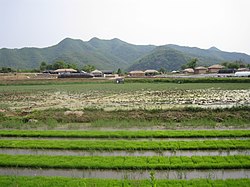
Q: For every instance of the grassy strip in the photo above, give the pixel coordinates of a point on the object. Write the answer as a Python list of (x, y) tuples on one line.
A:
[(236, 117), (126, 144), (127, 134), (31, 82), (127, 80), (189, 80), (126, 162), (75, 182)]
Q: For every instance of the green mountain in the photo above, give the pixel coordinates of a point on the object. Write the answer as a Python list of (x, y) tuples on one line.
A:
[(114, 54), (161, 57), (172, 57), (103, 54)]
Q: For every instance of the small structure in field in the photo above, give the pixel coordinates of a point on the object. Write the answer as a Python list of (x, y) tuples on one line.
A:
[(119, 80), (151, 72), (188, 71), (97, 73), (136, 73), (215, 68), (63, 71), (200, 70), (175, 71)]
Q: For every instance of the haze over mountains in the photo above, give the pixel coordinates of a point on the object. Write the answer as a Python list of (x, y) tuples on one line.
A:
[(114, 54)]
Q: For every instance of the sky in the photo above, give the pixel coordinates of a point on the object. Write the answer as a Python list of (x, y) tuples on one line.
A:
[(224, 24)]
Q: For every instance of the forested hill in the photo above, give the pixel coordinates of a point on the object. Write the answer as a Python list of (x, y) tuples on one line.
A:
[(103, 54), (114, 54), (172, 57)]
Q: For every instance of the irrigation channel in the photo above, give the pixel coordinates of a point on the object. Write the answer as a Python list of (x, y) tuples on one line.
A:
[(129, 174), (56, 152), (136, 146), (136, 139)]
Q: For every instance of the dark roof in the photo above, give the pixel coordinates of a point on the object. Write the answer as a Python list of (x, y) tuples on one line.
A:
[(107, 71)]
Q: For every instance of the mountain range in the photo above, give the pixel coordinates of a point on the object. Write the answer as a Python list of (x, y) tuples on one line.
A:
[(114, 54)]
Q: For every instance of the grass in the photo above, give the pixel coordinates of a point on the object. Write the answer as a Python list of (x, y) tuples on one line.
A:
[(126, 162), (237, 117), (127, 133), (116, 123), (22, 181), (189, 80), (111, 87), (127, 80), (126, 144)]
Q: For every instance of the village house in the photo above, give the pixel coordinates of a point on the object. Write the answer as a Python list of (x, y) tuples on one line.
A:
[(97, 73), (215, 68), (151, 72), (136, 73), (63, 71), (242, 69), (188, 71), (200, 70)]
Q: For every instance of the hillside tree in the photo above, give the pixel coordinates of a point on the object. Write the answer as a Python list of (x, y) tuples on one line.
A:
[(43, 66), (191, 64), (119, 71), (60, 65), (88, 68)]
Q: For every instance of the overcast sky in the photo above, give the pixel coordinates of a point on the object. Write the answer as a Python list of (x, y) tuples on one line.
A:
[(200, 23)]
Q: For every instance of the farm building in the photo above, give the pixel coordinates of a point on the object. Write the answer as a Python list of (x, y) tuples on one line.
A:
[(151, 72), (215, 68), (62, 71), (188, 71), (136, 73), (107, 73), (97, 73), (75, 75), (200, 70), (226, 71)]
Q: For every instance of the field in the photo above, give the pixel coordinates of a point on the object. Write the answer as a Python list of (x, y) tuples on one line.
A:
[(153, 132)]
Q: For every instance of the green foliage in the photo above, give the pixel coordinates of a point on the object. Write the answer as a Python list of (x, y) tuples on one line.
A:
[(104, 54), (113, 54), (126, 144), (161, 57), (174, 57), (119, 71), (43, 66), (235, 65), (57, 65), (191, 64), (6, 70), (127, 134), (162, 70), (88, 68), (126, 162), (152, 179)]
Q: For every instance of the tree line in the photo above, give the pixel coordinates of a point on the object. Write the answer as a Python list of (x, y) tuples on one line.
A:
[(62, 65), (228, 65), (88, 68)]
